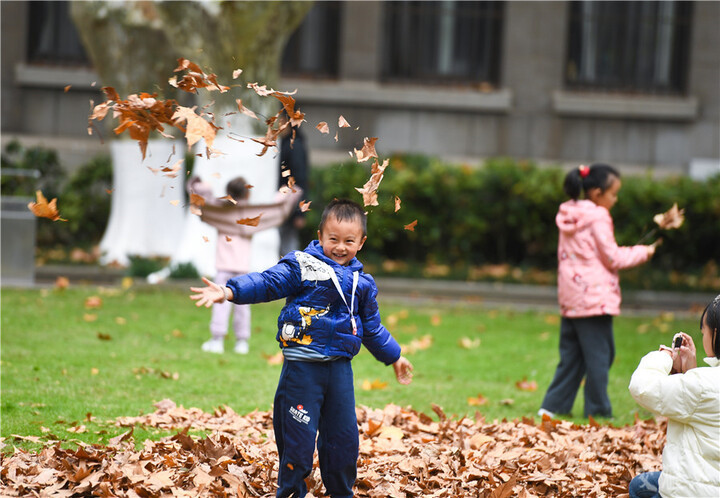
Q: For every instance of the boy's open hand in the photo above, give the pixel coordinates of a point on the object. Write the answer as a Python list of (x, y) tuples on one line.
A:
[(403, 370), (206, 296)]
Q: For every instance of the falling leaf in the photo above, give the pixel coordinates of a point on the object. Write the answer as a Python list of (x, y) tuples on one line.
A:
[(671, 219), (336, 136), (175, 202), (195, 126), (369, 190), (525, 385), (397, 203), (245, 110), (304, 206), (411, 226), (93, 302), (126, 283), (367, 151), (67, 88), (323, 127), (228, 239), (477, 401), (228, 198), (342, 122), (197, 200), (205, 238), (252, 222), (44, 209), (236, 73), (195, 78)]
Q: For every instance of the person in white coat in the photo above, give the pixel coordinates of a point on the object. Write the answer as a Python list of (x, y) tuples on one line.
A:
[(668, 383)]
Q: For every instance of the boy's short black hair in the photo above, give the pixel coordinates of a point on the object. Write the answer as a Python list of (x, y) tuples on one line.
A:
[(344, 209), (237, 188)]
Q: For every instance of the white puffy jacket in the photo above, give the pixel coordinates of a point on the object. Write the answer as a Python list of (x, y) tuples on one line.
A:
[(691, 402)]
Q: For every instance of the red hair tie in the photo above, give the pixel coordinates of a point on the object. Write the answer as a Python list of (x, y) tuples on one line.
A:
[(584, 170)]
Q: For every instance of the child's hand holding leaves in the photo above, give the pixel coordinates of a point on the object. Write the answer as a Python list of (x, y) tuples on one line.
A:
[(206, 296)]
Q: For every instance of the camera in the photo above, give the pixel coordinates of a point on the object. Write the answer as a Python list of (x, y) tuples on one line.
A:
[(677, 341)]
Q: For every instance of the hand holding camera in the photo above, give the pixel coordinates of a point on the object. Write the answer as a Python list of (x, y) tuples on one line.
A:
[(682, 353)]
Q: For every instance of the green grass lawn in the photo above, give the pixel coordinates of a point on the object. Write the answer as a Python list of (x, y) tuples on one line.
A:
[(65, 364)]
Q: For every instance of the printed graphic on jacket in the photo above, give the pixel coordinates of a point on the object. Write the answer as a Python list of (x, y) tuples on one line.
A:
[(312, 269)]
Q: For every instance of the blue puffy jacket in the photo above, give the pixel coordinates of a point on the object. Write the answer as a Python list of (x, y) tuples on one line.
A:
[(315, 316)]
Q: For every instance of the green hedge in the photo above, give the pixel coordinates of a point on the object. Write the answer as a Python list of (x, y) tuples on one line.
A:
[(504, 212)]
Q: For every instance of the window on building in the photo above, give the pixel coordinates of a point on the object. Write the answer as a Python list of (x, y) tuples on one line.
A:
[(312, 50), (52, 36), (442, 41), (638, 46)]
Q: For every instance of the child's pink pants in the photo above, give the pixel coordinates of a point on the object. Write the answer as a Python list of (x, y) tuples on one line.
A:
[(221, 314)]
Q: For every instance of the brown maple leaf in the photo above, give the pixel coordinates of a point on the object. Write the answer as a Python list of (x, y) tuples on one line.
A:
[(323, 127), (671, 219), (304, 206), (251, 222), (245, 110), (367, 151), (397, 203), (369, 190), (342, 123), (195, 78), (196, 127), (411, 226), (44, 209), (197, 200), (295, 116)]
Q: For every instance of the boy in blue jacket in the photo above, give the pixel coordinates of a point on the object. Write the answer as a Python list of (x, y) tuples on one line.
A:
[(330, 310)]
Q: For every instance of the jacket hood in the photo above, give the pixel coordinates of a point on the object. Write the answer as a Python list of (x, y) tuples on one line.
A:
[(316, 250), (576, 215)]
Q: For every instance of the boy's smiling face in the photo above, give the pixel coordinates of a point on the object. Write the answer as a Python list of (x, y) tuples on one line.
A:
[(341, 240)]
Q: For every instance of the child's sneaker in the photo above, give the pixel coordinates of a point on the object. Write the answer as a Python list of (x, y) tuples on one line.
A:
[(242, 347), (213, 346), (543, 411)]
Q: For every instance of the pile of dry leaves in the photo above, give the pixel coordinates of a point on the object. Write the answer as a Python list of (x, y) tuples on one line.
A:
[(402, 454)]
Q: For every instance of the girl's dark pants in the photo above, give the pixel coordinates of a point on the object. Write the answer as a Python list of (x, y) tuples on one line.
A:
[(587, 349), (312, 398)]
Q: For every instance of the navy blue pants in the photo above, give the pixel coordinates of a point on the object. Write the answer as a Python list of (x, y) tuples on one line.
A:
[(645, 485), (587, 349), (316, 398)]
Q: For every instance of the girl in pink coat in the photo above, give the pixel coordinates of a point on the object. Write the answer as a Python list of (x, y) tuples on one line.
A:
[(588, 289)]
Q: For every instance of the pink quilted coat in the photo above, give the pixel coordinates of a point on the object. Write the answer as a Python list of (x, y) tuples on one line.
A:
[(589, 260)]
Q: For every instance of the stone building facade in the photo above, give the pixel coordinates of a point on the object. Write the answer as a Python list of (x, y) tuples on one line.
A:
[(630, 83)]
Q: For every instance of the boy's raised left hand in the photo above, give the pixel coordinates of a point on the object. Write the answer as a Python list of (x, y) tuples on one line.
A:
[(206, 296), (403, 370)]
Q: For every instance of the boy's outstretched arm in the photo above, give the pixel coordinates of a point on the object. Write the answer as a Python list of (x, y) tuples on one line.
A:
[(403, 370), (213, 293)]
